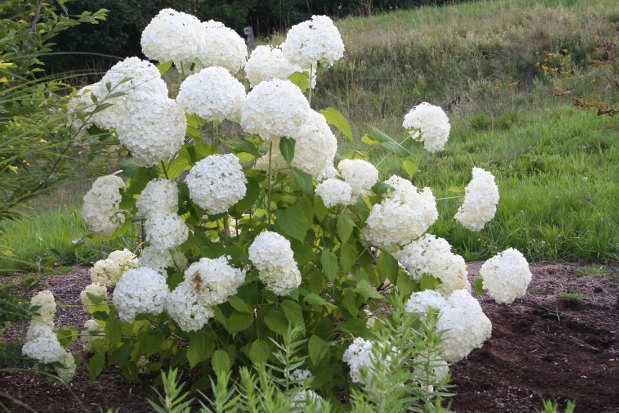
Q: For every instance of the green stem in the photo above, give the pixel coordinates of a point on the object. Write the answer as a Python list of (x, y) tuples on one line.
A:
[(269, 172), (165, 170)]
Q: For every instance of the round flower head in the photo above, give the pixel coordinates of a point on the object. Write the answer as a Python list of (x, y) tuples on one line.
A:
[(92, 331), (165, 230), (108, 271), (100, 210), (429, 124), (47, 307), (306, 400), (465, 324), (273, 109), (140, 291), (36, 328), (153, 131), (173, 36), (402, 216), (506, 276), (67, 371), (159, 195), (315, 146), (213, 94), (186, 309), (313, 41), (222, 47), (44, 348), (273, 257), (267, 63), (359, 356), (334, 192), (93, 290), (216, 183), (480, 201), (213, 280), (359, 174), (419, 302), (431, 255)]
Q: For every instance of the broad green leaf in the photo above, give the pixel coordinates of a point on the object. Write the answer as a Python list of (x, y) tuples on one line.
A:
[(276, 321), (320, 210), (428, 282), (221, 362), (349, 301), (348, 256), (317, 349), (329, 264), (388, 143), (315, 299), (405, 284), (251, 195), (152, 342), (293, 221), (200, 348), (238, 322), (303, 252), (259, 351), (369, 141), (381, 187), (409, 167), (334, 117), (164, 67), (345, 226), (366, 290), (96, 365), (294, 313), (301, 79), (304, 180), (239, 304), (387, 267), (113, 331), (286, 147)]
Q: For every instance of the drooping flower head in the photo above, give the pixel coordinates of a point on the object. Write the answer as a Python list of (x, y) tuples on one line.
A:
[(480, 201), (506, 276), (100, 211), (429, 124), (313, 41)]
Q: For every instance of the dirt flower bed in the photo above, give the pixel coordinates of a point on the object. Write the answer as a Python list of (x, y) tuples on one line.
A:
[(561, 342)]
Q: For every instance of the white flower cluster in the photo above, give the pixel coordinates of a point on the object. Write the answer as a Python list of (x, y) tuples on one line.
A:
[(431, 255), (272, 255), (186, 309), (360, 357), (313, 41), (465, 324), (304, 399), (420, 301), (141, 290), (429, 124), (506, 276), (160, 259), (217, 182), (213, 280), (480, 201), (108, 271), (359, 174), (268, 63), (402, 216), (273, 109), (165, 230), (92, 331), (222, 47), (213, 94), (159, 196), (315, 145), (100, 210), (82, 101), (92, 290), (42, 343), (334, 192)]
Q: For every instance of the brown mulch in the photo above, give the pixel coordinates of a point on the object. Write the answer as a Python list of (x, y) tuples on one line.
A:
[(546, 345)]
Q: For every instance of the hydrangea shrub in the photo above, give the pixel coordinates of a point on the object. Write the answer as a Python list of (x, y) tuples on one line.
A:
[(247, 237)]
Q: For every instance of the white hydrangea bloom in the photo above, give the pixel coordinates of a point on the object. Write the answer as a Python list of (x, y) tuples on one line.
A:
[(304, 399), (173, 36), (213, 280), (327, 173), (92, 331), (222, 47), (213, 94), (217, 182), (36, 328), (142, 290), (100, 211), (274, 108), (153, 131), (313, 41), (465, 324), (480, 201), (315, 146), (108, 271), (419, 302), (267, 63), (185, 308), (95, 290), (506, 276), (156, 258), (402, 216), (432, 255), (272, 255), (429, 124), (359, 356), (165, 230), (45, 347), (67, 371), (47, 307), (159, 195), (300, 375), (360, 175), (334, 192)]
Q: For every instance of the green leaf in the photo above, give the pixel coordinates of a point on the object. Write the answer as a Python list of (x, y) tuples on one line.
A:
[(200, 348), (303, 252), (381, 187), (428, 282), (259, 351), (304, 180), (369, 141), (239, 304), (238, 322), (334, 117), (348, 256), (409, 167), (301, 79), (96, 365), (387, 267), (315, 299), (164, 67), (388, 143), (328, 260), (152, 342), (478, 284), (276, 321), (286, 147), (349, 301), (317, 349), (294, 313), (405, 284), (367, 291), (113, 331), (221, 362), (251, 195), (100, 315), (345, 226), (293, 221)]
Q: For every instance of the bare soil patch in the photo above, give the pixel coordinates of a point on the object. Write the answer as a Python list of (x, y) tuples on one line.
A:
[(560, 342)]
